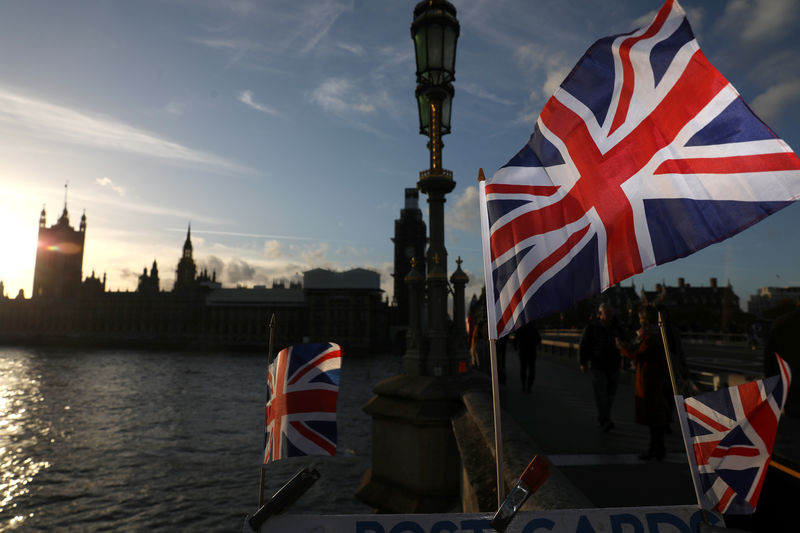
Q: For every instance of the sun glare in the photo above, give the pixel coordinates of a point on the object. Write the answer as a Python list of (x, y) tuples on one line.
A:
[(18, 250)]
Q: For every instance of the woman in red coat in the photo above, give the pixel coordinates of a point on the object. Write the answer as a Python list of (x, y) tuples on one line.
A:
[(651, 376)]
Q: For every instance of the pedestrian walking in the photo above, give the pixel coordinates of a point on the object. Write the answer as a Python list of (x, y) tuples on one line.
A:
[(651, 374), (526, 341), (598, 352)]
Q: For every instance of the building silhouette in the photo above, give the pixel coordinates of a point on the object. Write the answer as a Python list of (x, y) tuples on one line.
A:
[(410, 238), (149, 283), (59, 257), (198, 313), (711, 308), (773, 301), (187, 270), (703, 308)]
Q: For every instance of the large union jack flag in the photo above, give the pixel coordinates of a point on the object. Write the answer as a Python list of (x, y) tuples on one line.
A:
[(645, 154), (302, 387), (732, 432)]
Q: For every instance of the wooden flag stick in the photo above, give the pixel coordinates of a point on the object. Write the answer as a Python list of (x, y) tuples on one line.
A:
[(681, 410), (262, 477), (663, 328), (498, 436), (498, 433)]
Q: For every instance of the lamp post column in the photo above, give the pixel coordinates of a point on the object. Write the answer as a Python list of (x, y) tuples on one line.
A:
[(436, 182), (414, 411)]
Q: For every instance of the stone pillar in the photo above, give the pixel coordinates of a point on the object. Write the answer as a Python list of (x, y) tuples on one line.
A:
[(415, 461), (413, 359), (459, 279)]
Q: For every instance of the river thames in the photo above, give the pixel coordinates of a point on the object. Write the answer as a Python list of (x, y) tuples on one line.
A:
[(128, 440)]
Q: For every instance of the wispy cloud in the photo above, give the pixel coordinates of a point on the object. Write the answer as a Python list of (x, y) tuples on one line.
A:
[(246, 97), (337, 95), (536, 59), (355, 49), (242, 234), (755, 20), (272, 249), (464, 214), (59, 123), (316, 256), (237, 47), (317, 20), (770, 105), (224, 44), (646, 19), (475, 90), (553, 80), (148, 208), (106, 182), (285, 27)]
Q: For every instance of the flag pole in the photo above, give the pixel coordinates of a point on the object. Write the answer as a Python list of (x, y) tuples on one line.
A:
[(679, 407), (498, 437), (262, 477)]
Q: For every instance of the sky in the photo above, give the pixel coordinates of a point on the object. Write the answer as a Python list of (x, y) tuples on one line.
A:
[(285, 132)]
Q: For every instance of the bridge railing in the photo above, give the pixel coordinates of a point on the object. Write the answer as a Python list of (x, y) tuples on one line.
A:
[(564, 344)]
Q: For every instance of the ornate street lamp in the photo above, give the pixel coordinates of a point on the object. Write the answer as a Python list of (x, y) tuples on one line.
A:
[(435, 31), (414, 411)]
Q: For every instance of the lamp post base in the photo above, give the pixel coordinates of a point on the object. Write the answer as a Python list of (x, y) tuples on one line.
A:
[(415, 461)]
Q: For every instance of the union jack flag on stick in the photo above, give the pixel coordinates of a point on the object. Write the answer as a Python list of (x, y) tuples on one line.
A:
[(645, 154), (729, 435), (302, 388)]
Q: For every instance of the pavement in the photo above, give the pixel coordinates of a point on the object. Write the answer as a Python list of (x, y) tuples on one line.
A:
[(560, 415)]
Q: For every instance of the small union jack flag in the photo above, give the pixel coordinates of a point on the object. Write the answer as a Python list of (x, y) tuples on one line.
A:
[(645, 154), (732, 432), (302, 387)]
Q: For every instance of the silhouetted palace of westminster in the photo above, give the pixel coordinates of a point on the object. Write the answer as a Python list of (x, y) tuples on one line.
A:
[(198, 313), (347, 307)]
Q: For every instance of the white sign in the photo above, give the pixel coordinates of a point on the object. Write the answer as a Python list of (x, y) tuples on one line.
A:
[(668, 519)]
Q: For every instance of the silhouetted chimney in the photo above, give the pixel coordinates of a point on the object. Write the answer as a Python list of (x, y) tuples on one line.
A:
[(713, 282), (681, 283)]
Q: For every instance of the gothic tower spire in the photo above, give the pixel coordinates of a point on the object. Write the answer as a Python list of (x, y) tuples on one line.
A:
[(64, 219), (187, 270), (187, 246)]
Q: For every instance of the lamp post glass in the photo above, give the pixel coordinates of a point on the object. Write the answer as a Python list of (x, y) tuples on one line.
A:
[(425, 99), (435, 30)]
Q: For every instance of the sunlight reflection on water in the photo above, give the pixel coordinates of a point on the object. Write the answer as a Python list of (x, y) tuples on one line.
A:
[(19, 431)]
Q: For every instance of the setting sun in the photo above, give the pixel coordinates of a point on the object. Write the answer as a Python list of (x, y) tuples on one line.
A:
[(18, 216)]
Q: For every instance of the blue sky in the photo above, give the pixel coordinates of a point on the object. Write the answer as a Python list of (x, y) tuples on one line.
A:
[(286, 131)]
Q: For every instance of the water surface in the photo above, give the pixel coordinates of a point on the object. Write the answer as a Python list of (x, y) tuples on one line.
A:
[(111, 440)]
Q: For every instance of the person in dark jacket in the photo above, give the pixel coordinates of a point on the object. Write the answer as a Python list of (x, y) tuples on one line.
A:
[(526, 340), (651, 375), (598, 352)]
